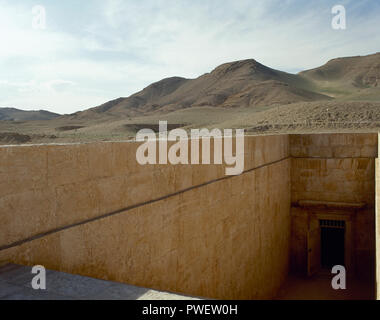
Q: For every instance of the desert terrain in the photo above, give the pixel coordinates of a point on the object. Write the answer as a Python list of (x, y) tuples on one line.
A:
[(342, 95)]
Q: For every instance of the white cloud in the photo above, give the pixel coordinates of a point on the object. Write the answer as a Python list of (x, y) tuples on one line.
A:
[(59, 84)]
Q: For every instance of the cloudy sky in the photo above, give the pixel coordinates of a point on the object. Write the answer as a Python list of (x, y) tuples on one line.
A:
[(92, 51)]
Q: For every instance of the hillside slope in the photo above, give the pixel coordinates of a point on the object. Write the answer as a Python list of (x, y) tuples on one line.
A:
[(343, 94), (14, 114), (351, 78), (245, 83)]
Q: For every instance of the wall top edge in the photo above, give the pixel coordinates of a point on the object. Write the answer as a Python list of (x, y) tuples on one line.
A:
[(115, 141), (333, 133), (247, 135)]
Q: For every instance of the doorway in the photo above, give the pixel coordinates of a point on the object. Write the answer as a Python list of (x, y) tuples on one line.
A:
[(328, 241), (332, 243)]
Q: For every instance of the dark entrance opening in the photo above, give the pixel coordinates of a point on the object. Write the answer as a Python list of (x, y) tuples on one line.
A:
[(332, 243)]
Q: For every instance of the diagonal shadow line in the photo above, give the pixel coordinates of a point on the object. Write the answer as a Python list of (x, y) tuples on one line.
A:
[(55, 230)]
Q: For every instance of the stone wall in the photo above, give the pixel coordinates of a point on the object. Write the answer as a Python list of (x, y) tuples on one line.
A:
[(94, 211), (91, 209), (333, 167), (377, 227), (338, 169)]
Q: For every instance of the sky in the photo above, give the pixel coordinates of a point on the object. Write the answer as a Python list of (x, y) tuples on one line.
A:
[(93, 51)]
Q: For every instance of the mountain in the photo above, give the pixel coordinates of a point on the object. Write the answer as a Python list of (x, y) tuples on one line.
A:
[(343, 94), (351, 78), (22, 115), (245, 83)]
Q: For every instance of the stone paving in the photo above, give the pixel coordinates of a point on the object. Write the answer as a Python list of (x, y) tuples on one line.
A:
[(15, 284)]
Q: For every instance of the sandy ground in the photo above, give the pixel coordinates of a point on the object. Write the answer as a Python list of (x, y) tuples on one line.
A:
[(319, 288), (311, 117)]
